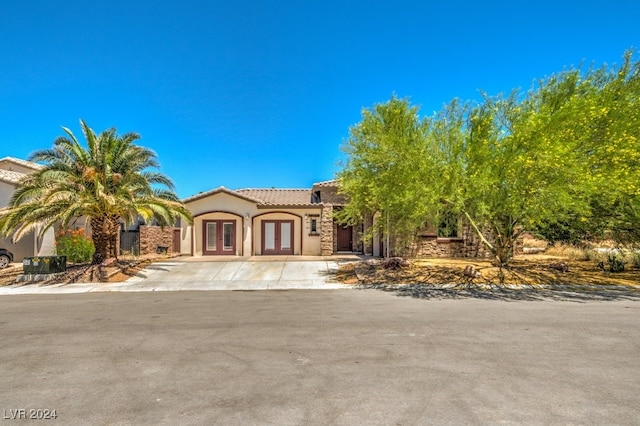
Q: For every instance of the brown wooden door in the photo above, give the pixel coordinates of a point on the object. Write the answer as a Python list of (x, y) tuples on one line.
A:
[(345, 238), (176, 241), (219, 237), (277, 237)]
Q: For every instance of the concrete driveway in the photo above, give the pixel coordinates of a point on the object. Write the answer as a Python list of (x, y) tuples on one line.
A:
[(245, 274), (198, 273)]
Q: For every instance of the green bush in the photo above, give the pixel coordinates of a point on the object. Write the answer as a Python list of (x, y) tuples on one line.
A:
[(75, 245)]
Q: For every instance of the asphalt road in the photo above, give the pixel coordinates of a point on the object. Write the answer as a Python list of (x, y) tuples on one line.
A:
[(316, 357)]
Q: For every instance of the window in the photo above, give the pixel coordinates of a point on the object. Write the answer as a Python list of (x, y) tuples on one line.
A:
[(227, 236), (212, 236), (313, 224), (269, 235), (448, 225), (285, 235)]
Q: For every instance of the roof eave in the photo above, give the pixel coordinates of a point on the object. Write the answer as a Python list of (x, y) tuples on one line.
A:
[(217, 191), (290, 206)]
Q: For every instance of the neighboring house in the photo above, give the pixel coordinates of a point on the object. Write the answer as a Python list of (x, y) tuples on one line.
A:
[(148, 239), (12, 170)]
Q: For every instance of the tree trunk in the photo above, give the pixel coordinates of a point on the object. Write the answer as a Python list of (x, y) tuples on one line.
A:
[(502, 248), (104, 233), (503, 251)]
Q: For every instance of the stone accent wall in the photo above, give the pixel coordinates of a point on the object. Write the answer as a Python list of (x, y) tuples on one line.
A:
[(153, 236), (467, 246), (327, 231), (356, 238), (368, 244)]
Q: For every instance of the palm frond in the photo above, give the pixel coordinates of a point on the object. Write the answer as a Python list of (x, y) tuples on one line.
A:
[(108, 177)]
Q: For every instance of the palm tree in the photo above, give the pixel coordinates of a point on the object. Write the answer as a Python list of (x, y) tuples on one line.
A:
[(110, 180)]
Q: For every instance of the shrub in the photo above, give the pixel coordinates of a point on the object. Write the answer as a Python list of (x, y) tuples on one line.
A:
[(616, 262), (592, 255), (75, 245)]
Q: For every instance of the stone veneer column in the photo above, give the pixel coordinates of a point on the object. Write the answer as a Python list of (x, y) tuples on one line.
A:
[(153, 236), (326, 230)]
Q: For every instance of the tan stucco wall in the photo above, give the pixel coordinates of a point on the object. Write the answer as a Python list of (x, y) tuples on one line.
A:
[(185, 239), (20, 249), (28, 245), (6, 191), (248, 224)]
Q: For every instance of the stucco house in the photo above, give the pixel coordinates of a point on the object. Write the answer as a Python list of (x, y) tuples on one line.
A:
[(12, 170), (267, 221), (272, 221)]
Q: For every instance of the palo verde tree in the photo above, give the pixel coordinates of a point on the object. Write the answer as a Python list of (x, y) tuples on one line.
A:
[(605, 130), (109, 180), (515, 173), (566, 150), (386, 155)]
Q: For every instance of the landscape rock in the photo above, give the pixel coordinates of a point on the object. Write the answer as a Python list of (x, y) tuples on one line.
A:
[(471, 272), (559, 266), (395, 263)]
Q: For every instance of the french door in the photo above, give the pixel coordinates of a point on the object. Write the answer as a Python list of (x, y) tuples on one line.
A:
[(277, 237), (219, 237)]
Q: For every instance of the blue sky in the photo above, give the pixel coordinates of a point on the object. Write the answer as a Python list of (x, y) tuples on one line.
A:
[(262, 93)]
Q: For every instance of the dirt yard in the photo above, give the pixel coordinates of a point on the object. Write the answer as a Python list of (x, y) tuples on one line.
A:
[(525, 270)]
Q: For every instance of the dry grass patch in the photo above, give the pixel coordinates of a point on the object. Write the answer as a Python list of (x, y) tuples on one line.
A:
[(532, 270)]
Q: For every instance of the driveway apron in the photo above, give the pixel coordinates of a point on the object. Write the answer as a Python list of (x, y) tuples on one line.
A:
[(234, 275)]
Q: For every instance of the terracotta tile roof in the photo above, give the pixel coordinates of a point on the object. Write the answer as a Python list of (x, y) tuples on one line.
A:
[(25, 163), (267, 197), (278, 197), (10, 176)]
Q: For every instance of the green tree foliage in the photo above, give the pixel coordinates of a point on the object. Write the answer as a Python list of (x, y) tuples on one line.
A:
[(564, 155), (386, 156), (603, 122), (109, 180)]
